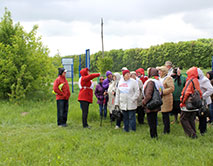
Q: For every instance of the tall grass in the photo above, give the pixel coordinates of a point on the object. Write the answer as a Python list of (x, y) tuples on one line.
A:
[(29, 136)]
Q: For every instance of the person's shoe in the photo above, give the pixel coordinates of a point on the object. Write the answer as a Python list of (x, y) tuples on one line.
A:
[(87, 127), (64, 125), (117, 127), (194, 137)]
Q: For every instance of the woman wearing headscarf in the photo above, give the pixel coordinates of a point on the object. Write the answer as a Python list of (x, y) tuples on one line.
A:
[(187, 117), (126, 98), (207, 90), (112, 94), (148, 89), (179, 83), (141, 75), (85, 96), (167, 106), (209, 75)]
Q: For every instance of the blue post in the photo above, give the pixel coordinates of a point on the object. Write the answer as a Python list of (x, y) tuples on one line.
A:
[(79, 67), (89, 58), (72, 77), (86, 59), (212, 63)]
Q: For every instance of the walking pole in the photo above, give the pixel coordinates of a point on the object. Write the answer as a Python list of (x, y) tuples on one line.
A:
[(101, 119)]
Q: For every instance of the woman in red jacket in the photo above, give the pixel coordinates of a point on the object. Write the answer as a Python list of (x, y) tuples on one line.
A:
[(187, 117), (62, 91), (86, 93)]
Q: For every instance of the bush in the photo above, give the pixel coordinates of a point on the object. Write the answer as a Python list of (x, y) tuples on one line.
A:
[(24, 63)]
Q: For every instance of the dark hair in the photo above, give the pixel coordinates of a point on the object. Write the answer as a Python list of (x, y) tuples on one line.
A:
[(176, 77), (60, 71)]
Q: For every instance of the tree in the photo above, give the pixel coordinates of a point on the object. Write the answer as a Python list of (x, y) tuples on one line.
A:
[(24, 63), (104, 64)]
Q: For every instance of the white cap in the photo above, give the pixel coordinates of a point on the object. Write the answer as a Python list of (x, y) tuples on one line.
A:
[(124, 68), (65, 70)]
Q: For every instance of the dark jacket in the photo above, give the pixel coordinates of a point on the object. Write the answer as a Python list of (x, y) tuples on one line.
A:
[(178, 88), (148, 91), (99, 93)]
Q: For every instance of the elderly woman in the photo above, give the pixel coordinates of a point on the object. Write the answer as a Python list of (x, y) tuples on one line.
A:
[(85, 96), (126, 98), (111, 94), (179, 83), (99, 93), (139, 110), (207, 90), (167, 106), (148, 90), (187, 117)]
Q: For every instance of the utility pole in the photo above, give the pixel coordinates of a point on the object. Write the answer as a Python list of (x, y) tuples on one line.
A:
[(102, 37)]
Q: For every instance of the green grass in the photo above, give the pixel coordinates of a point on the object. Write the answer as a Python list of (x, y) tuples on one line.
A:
[(35, 139)]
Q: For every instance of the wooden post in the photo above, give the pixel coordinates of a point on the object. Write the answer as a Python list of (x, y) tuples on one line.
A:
[(102, 37)]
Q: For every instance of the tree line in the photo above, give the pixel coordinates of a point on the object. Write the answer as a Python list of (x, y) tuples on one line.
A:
[(184, 54)]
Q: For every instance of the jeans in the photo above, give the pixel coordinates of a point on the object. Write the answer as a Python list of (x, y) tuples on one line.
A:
[(211, 112), (85, 110), (103, 107), (62, 110), (129, 120)]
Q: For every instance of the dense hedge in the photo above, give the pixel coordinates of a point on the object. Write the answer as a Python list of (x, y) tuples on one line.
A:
[(183, 54)]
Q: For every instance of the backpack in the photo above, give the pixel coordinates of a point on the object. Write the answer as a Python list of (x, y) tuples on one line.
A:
[(193, 101)]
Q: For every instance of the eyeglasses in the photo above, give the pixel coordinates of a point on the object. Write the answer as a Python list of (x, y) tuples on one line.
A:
[(101, 79)]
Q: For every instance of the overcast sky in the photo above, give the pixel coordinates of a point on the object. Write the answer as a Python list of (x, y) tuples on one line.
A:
[(71, 26)]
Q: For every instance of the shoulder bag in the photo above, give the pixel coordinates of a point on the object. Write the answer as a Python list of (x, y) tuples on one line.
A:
[(194, 101)]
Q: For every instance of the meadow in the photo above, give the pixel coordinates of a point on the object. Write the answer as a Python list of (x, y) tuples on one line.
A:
[(29, 136)]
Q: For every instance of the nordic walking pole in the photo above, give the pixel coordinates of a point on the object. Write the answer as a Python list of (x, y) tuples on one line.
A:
[(101, 119)]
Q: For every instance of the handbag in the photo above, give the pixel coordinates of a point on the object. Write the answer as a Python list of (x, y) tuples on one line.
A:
[(193, 101), (155, 101), (204, 110), (116, 113)]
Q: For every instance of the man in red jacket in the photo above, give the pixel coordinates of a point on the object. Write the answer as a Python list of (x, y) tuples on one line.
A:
[(62, 91), (85, 95)]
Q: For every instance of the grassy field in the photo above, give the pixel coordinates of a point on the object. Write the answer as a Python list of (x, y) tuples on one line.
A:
[(29, 136)]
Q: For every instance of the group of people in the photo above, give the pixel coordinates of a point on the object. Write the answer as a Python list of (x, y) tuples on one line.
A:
[(133, 93)]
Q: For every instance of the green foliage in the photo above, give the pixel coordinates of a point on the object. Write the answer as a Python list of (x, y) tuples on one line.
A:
[(24, 63), (104, 64), (182, 54)]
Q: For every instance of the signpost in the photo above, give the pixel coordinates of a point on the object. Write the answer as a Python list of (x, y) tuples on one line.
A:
[(79, 67), (68, 65), (88, 58)]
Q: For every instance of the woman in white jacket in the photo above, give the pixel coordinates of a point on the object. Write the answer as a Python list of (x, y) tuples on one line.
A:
[(111, 94), (126, 98), (207, 90)]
